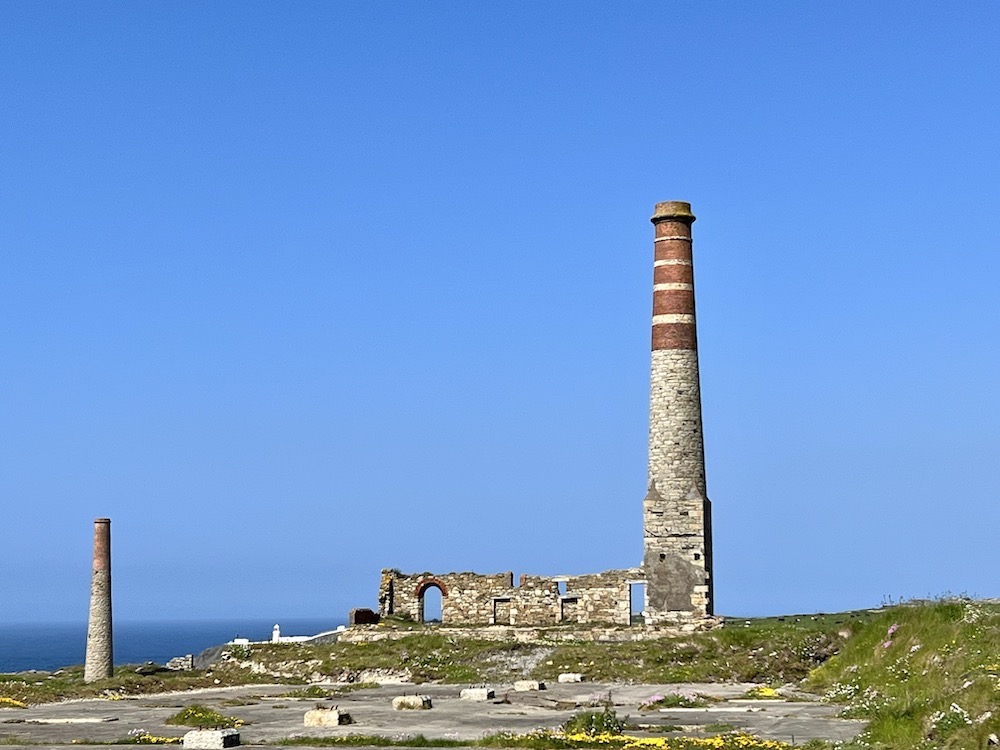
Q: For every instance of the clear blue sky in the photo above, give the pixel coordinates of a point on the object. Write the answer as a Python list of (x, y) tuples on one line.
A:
[(295, 291)]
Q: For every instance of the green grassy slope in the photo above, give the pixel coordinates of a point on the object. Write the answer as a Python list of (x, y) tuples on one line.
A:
[(925, 675)]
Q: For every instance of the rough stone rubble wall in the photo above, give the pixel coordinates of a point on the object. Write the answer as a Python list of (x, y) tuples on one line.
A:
[(538, 633), (475, 599)]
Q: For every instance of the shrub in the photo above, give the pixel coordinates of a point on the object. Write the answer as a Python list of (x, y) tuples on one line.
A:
[(672, 700), (202, 717), (592, 723)]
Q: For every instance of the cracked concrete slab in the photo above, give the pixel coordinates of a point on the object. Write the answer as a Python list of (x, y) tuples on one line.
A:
[(270, 717)]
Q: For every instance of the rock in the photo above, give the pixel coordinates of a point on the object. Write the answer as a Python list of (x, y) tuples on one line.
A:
[(321, 716), (571, 677), (524, 686), (406, 702), (477, 694), (211, 739), (179, 663)]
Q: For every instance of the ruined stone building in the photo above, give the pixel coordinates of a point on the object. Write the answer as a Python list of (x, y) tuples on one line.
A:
[(676, 572)]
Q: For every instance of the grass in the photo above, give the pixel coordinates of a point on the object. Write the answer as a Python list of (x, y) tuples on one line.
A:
[(371, 740), (250, 700), (923, 675), (202, 717), (673, 700), (544, 740), (35, 687), (352, 687), (760, 652), (312, 691), (423, 656), (763, 692), (593, 723), (763, 651)]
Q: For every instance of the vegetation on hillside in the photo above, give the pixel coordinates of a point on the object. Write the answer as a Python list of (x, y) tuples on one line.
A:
[(765, 651), (752, 651), (45, 687), (925, 675)]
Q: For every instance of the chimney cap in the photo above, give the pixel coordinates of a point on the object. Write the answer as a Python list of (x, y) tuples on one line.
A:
[(677, 210), (102, 520)]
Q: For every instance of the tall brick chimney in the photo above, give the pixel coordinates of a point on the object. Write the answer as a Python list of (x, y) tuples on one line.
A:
[(677, 515), (99, 663)]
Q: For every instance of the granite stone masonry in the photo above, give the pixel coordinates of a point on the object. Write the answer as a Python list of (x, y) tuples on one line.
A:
[(99, 662), (323, 716), (676, 573), (474, 599), (412, 703), (677, 550), (211, 739)]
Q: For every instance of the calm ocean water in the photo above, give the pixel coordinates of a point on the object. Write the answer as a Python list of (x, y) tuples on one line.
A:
[(52, 645)]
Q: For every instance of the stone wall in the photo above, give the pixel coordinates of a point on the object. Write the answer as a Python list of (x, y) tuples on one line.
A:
[(677, 515), (99, 663), (539, 633), (677, 531), (476, 599)]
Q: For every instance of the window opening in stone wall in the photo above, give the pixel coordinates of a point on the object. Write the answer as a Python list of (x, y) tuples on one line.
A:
[(562, 587), (501, 611), (569, 609), (431, 600), (637, 603)]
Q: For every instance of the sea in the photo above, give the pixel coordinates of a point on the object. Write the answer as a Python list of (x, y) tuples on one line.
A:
[(50, 646)]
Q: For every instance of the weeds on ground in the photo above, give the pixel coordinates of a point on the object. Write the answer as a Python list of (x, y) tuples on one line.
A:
[(546, 740), (673, 700), (142, 737), (924, 675), (761, 651), (593, 723), (33, 688), (250, 700), (203, 717), (763, 692), (313, 691)]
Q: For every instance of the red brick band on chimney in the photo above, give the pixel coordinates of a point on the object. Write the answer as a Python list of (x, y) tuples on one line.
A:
[(673, 278), (102, 544)]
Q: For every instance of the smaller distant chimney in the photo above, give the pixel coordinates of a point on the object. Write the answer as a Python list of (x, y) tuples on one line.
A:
[(99, 663)]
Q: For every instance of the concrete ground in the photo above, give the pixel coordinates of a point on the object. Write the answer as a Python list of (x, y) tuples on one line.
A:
[(270, 717)]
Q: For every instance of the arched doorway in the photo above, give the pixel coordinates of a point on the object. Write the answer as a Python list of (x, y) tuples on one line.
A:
[(430, 604), (431, 594)]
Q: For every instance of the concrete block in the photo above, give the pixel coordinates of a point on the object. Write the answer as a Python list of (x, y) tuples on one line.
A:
[(477, 694), (411, 702), (524, 686), (211, 739), (327, 717), (570, 677)]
